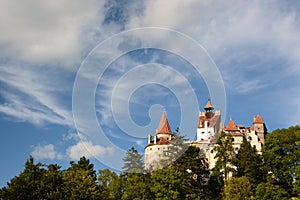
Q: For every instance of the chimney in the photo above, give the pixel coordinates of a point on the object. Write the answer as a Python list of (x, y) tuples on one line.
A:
[(154, 139), (149, 138)]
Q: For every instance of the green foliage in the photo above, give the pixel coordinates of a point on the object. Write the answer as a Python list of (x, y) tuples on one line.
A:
[(110, 184), (296, 188), (237, 188), (52, 181), (80, 181), (185, 178), (133, 162), (248, 163), (281, 154), (175, 150), (137, 186), (28, 184), (166, 184), (225, 155), (270, 191)]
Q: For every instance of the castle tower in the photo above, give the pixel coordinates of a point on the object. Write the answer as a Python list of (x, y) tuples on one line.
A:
[(259, 128), (158, 144), (209, 123)]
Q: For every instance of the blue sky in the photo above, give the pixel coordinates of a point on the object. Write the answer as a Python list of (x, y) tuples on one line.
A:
[(93, 77)]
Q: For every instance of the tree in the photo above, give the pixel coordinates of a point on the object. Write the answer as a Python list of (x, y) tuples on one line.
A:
[(195, 172), (133, 162), (281, 154), (296, 186), (137, 186), (53, 182), (80, 181), (166, 184), (224, 154), (175, 150), (111, 185), (28, 185), (237, 188), (248, 163), (268, 190), (190, 170)]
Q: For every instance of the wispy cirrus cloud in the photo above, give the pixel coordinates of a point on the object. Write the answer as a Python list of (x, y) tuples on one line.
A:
[(34, 96)]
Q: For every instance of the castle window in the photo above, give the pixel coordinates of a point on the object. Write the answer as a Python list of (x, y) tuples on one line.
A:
[(254, 146), (250, 138), (232, 139), (151, 149), (236, 148), (157, 148), (203, 132), (212, 151)]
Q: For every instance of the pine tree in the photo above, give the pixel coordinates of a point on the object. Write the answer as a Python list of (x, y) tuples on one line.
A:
[(225, 155), (133, 162), (248, 163), (175, 149), (80, 181), (28, 185)]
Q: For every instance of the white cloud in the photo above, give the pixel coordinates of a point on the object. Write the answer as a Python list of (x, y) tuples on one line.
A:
[(232, 30), (34, 96), (244, 37), (46, 152), (46, 31), (88, 149)]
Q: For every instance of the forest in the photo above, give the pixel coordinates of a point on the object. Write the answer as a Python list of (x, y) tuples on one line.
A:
[(273, 175)]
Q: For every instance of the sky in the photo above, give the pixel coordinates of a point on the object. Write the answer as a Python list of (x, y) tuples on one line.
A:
[(92, 78)]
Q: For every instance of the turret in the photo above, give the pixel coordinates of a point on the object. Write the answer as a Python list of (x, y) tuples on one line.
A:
[(259, 128)]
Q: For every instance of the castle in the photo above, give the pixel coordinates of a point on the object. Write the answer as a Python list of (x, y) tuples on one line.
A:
[(209, 127)]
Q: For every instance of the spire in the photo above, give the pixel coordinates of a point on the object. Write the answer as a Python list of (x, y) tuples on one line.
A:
[(231, 126), (258, 120), (163, 126), (208, 106)]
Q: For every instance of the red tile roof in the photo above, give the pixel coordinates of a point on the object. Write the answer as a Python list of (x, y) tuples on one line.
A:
[(258, 120), (163, 126), (230, 126), (160, 141), (212, 121)]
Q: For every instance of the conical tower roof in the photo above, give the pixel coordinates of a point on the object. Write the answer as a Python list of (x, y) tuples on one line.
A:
[(258, 120), (208, 106), (231, 126), (163, 126)]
